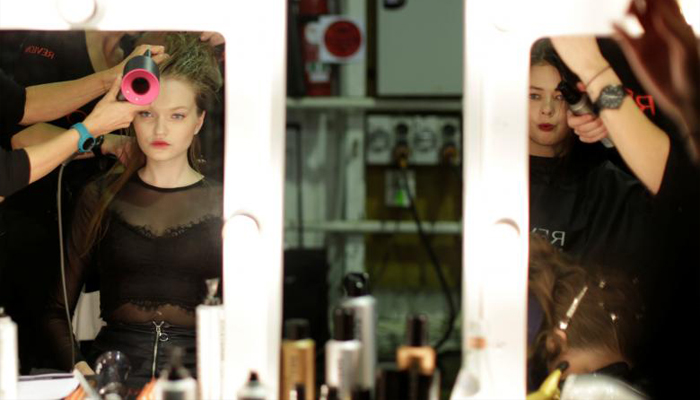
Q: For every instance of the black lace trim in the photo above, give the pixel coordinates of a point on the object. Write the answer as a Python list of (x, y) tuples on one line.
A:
[(153, 305), (174, 231)]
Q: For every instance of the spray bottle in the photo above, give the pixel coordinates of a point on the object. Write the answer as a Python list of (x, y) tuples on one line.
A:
[(210, 343), (364, 306)]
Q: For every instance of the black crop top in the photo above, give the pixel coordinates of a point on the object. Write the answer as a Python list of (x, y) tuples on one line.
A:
[(158, 248)]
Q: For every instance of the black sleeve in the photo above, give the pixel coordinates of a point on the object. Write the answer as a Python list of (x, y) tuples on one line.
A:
[(679, 185), (12, 99), (77, 270), (14, 171)]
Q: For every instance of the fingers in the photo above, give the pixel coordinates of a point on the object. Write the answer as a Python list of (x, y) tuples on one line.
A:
[(114, 89), (213, 38)]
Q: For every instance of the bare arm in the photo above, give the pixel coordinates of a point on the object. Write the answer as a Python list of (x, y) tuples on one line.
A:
[(643, 146), (109, 114), (53, 100)]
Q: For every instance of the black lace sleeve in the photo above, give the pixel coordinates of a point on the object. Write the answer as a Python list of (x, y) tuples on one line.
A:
[(76, 270)]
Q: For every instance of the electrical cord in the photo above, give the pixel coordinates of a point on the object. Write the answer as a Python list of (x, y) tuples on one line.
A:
[(452, 309), (63, 264)]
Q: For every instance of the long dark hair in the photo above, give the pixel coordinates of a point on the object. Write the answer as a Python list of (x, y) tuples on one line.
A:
[(190, 60), (577, 157)]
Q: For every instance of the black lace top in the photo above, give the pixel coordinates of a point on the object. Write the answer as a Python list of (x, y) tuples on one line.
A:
[(159, 247)]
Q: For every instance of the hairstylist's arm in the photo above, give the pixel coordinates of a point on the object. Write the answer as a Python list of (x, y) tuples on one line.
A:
[(642, 145), (109, 115), (53, 100)]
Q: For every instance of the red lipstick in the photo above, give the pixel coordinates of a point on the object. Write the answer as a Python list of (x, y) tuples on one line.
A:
[(546, 127), (160, 144)]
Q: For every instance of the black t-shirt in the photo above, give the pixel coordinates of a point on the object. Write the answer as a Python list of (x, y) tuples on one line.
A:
[(597, 213), (12, 99), (45, 57), (14, 165), (158, 248), (30, 247)]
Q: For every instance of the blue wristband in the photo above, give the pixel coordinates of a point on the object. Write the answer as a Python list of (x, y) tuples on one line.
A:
[(86, 140)]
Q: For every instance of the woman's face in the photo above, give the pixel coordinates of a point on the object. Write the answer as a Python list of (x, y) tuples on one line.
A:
[(165, 131), (548, 129)]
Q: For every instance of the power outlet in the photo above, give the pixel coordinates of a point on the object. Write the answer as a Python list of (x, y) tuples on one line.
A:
[(395, 182)]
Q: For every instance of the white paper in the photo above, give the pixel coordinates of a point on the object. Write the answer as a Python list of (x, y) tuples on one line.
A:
[(48, 386)]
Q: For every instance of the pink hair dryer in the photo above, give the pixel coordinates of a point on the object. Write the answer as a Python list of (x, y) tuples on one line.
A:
[(140, 83)]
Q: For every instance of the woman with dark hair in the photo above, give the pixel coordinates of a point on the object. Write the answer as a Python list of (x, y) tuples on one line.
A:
[(579, 200), (150, 230)]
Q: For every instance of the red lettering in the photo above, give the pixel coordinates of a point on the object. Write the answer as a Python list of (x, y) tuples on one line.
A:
[(646, 103), (42, 51)]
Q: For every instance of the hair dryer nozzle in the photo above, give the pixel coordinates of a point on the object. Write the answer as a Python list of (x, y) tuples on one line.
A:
[(141, 82)]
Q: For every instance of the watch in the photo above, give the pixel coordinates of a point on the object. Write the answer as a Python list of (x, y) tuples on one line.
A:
[(610, 97), (86, 141)]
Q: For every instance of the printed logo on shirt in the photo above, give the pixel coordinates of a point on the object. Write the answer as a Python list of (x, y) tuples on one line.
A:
[(556, 238), (41, 51), (645, 102)]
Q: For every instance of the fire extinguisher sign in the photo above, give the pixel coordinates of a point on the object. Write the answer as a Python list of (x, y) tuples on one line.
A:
[(342, 40)]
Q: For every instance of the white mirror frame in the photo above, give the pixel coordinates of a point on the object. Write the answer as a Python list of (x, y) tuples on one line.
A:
[(255, 71), (498, 36)]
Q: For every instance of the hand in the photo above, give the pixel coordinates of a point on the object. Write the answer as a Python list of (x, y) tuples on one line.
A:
[(158, 55), (666, 60), (119, 145), (214, 38), (111, 114), (84, 368), (588, 127)]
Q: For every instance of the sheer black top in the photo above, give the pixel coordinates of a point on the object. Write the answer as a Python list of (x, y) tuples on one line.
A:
[(159, 247)]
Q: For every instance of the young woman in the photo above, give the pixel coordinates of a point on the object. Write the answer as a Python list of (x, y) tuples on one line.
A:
[(150, 231), (581, 202)]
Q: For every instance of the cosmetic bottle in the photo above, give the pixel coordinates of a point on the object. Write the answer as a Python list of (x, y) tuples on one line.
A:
[(175, 382), (298, 361), (364, 306), (210, 343), (418, 360), (253, 389), (343, 354), (8, 357)]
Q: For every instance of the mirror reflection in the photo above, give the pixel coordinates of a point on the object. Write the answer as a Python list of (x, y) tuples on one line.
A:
[(133, 121), (613, 213)]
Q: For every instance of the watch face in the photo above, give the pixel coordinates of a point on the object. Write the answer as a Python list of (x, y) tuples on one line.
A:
[(611, 97), (88, 143)]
